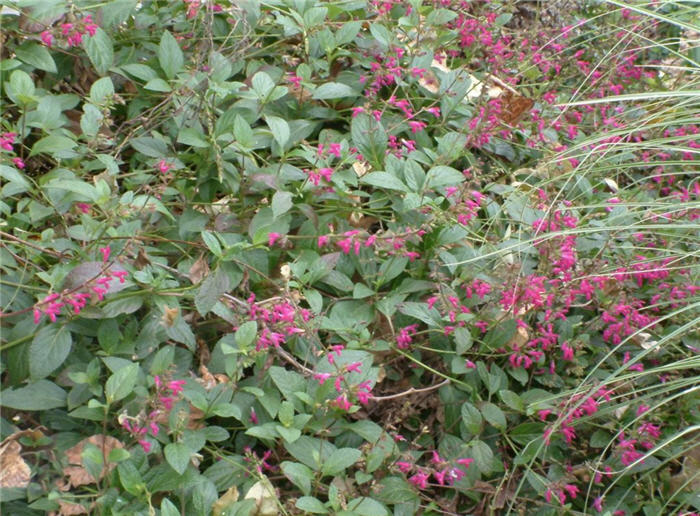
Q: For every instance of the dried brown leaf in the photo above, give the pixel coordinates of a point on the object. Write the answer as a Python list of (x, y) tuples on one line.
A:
[(70, 508), (199, 270), (76, 472), (14, 472)]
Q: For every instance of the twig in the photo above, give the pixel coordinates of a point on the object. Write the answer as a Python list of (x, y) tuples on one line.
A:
[(289, 358), (410, 391)]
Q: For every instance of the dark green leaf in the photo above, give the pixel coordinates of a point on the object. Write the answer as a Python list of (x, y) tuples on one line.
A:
[(49, 349), (41, 395), (170, 55)]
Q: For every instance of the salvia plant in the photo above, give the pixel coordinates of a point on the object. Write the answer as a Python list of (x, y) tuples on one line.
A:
[(432, 257)]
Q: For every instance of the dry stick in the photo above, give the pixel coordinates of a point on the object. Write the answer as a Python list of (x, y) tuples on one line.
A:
[(410, 391), (29, 244)]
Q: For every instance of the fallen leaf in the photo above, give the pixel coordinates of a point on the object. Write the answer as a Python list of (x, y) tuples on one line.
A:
[(361, 168), (76, 472), (199, 270), (170, 315), (142, 259), (221, 505), (266, 503), (14, 472), (70, 508)]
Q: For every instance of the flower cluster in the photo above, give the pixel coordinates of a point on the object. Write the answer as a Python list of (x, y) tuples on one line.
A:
[(345, 391), (71, 33), (52, 305), (144, 425), (7, 140), (280, 321), (445, 472)]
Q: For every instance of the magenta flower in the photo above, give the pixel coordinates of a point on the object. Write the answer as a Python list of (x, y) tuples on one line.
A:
[(272, 238)]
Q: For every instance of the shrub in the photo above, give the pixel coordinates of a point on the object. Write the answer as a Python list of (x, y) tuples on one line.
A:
[(349, 257)]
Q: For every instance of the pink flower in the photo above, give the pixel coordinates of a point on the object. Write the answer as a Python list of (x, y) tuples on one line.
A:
[(47, 38), (175, 386), (542, 414), (253, 416), (146, 445), (411, 255), (295, 80), (323, 240), (163, 166), (404, 467), (405, 336), (321, 377), (417, 126), (420, 480), (598, 504), (465, 462), (18, 163), (435, 111), (469, 364), (105, 252), (272, 238), (357, 110), (342, 403), (85, 208), (354, 367)]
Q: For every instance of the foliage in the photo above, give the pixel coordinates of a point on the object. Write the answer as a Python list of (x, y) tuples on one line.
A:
[(355, 258)]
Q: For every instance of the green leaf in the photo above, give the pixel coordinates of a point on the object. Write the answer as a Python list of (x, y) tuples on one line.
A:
[(100, 50), (81, 188), (262, 85), (483, 456), (340, 460), (52, 144), (168, 508), (463, 339), (49, 349), (395, 490), (150, 146), (281, 203), (178, 456), (288, 382), (158, 84), (311, 504), (211, 289), (21, 89), (384, 180), (37, 56), (334, 90), (494, 415), (130, 478), (192, 137), (140, 71), (170, 56), (41, 395), (212, 242), (300, 475), (245, 334), (288, 434), (12, 175), (279, 128), (369, 137), (310, 451), (512, 400), (367, 507), (501, 335), (442, 176), (472, 418), (120, 384)]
